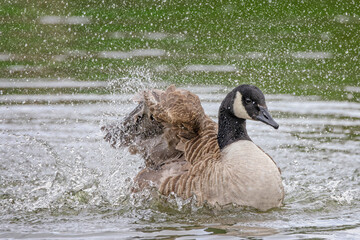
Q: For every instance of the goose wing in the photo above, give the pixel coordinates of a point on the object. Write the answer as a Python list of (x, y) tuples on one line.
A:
[(170, 130)]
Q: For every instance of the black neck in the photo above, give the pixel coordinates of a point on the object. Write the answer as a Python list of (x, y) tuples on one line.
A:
[(231, 129)]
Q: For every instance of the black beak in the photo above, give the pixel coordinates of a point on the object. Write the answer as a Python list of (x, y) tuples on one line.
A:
[(265, 117)]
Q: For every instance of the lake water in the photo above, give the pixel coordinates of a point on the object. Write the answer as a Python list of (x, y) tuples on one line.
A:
[(69, 67), (60, 180)]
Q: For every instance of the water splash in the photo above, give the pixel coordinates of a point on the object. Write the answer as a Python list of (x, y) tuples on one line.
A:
[(135, 80), (54, 163)]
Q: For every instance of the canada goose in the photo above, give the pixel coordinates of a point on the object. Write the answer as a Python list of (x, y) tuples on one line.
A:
[(188, 154)]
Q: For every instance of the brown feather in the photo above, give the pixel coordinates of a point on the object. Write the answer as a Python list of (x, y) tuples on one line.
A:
[(179, 144)]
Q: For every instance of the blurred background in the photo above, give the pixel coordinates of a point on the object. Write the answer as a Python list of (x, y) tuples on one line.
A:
[(293, 47)]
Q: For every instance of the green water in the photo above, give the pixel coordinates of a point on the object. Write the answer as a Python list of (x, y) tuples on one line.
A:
[(303, 48)]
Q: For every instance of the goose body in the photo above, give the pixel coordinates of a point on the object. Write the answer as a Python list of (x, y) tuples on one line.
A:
[(188, 154)]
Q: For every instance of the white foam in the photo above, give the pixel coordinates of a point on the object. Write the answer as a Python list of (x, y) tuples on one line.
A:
[(209, 68)]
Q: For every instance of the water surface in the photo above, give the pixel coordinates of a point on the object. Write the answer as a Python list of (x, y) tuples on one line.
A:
[(60, 179)]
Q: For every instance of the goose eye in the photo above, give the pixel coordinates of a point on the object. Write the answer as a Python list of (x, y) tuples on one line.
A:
[(248, 100)]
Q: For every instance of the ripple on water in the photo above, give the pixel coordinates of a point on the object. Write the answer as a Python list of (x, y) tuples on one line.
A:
[(46, 83), (133, 53), (72, 20), (209, 68), (58, 175), (312, 55)]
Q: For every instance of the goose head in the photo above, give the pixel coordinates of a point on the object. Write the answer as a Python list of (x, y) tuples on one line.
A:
[(249, 103), (245, 102)]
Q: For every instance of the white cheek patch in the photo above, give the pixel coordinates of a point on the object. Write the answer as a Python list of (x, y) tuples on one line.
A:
[(238, 107)]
